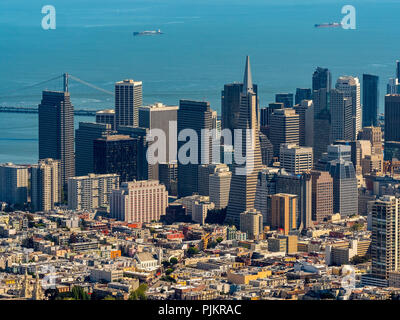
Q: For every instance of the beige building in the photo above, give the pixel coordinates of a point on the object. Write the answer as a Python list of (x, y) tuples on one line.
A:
[(45, 184), (251, 222), (322, 195), (139, 201), (374, 135), (92, 191), (128, 99), (219, 186), (283, 209), (295, 159), (372, 163), (13, 183)]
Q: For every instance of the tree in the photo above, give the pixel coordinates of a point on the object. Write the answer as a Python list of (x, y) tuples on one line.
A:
[(79, 294), (139, 293), (173, 260), (192, 251), (169, 271), (109, 298)]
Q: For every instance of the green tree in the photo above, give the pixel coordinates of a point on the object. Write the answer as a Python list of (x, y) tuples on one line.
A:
[(192, 251), (173, 260), (139, 293)]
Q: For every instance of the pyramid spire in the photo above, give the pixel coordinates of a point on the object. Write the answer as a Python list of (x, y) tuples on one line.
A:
[(248, 81)]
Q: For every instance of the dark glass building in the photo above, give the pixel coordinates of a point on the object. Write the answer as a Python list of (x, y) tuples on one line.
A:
[(302, 94), (321, 79), (285, 98), (116, 154), (84, 137), (195, 115), (56, 132), (370, 100)]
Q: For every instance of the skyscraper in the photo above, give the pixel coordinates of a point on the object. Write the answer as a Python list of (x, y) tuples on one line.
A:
[(13, 183), (56, 132), (159, 116), (385, 245), (116, 154), (197, 116), (283, 208), (321, 86), (265, 113), (285, 98), (84, 137), (392, 117), (243, 184), (302, 94), (322, 195), (230, 105), (128, 98), (305, 110), (284, 128), (341, 116), (345, 193), (350, 86), (321, 79), (219, 186), (295, 159), (45, 184), (370, 100), (106, 116)]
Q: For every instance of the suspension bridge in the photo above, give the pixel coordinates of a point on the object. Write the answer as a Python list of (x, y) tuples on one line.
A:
[(66, 78)]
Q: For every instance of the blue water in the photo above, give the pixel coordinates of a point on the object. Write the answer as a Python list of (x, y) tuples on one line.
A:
[(204, 47)]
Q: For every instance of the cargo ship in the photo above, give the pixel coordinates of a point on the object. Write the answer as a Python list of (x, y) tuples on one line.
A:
[(328, 25), (148, 33)]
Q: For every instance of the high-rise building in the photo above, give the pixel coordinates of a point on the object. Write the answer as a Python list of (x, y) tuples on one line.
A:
[(392, 117), (116, 154), (305, 110), (251, 222), (267, 149), (302, 94), (283, 208), (370, 100), (244, 177), (321, 79), (393, 86), (92, 191), (204, 172), (45, 184), (295, 159), (350, 86), (322, 123), (266, 186), (159, 117), (219, 186), (341, 116), (197, 116), (106, 116), (168, 176), (13, 183), (265, 113), (230, 105), (84, 137), (284, 128), (385, 244), (56, 132), (285, 98), (128, 98), (374, 135), (139, 201), (345, 192), (300, 185), (322, 195)]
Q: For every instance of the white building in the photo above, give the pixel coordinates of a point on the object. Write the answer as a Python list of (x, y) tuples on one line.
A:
[(350, 86), (219, 186), (139, 201), (45, 184), (13, 183), (92, 191), (295, 159)]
